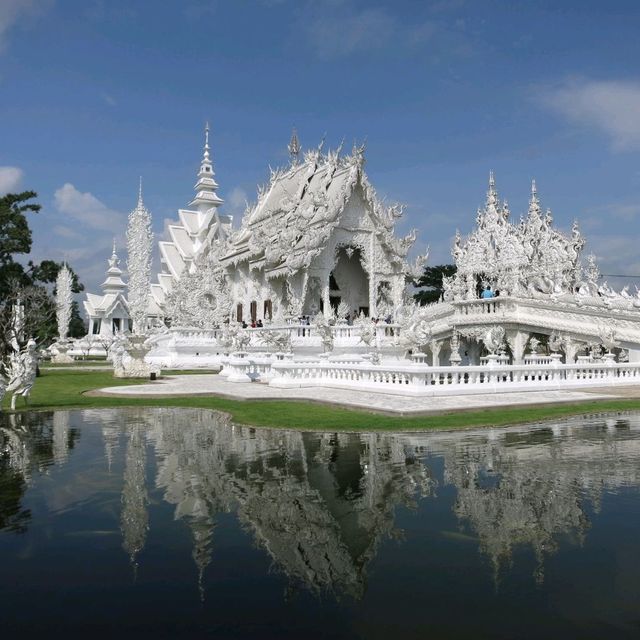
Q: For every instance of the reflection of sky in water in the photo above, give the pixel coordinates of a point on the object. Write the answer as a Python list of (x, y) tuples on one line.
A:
[(176, 520)]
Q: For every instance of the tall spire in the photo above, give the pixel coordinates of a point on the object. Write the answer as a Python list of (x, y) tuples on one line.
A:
[(294, 147), (492, 194), (140, 202), (113, 282), (205, 157), (205, 188), (534, 202)]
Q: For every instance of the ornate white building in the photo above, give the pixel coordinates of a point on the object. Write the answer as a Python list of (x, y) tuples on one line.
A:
[(109, 313), (317, 236)]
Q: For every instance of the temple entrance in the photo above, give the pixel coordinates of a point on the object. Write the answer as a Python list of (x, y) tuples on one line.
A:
[(349, 281)]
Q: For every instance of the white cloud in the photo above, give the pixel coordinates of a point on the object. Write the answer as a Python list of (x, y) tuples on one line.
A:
[(12, 11), (10, 178), (609, 106), (87, 209)]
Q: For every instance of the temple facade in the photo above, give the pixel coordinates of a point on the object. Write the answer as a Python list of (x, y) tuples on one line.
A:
[(317, 239)]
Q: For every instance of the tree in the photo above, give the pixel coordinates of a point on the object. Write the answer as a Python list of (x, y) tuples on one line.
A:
[(431, 280), (30, 286), (15, 235)]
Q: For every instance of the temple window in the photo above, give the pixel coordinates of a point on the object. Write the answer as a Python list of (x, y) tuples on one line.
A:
[(254, 311), (268, 310), (239, 313)]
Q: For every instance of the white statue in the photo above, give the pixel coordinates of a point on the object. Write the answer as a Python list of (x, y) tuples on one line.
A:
[(555, 342), (493, 339), (22, 372), (322, 326), (279, 341)]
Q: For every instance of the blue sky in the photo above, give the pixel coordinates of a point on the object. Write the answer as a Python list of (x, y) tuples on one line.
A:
[(95, 93)]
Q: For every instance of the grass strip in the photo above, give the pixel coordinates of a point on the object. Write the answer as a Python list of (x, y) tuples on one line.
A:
[(65, 390)]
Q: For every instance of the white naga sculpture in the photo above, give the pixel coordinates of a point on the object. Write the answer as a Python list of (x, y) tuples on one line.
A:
[(64, 300)]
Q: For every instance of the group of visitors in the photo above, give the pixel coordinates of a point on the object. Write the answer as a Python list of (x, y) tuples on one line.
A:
[(255, 324)]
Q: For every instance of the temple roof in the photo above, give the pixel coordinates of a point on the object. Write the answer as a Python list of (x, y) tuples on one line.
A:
[(301, 205)]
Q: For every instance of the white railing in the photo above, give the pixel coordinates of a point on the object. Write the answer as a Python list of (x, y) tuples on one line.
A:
[(339, 331), (422, 380)]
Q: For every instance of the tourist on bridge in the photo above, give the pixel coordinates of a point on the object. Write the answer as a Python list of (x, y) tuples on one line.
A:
[(487, 293)]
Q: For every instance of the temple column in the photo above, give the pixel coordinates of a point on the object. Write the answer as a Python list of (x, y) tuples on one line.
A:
[(326, 298), (373, 311)]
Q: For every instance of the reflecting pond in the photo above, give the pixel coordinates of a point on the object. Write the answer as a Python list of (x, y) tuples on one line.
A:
[(176, 523)]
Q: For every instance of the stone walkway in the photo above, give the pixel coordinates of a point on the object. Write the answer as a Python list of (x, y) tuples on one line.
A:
[(206, 384)]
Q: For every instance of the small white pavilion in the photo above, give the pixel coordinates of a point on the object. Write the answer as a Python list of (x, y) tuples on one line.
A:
[(109, 313)]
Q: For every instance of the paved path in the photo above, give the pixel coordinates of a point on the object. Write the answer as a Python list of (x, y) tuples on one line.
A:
[(206, 384)]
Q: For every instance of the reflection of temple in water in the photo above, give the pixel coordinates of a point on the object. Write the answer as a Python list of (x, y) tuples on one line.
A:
[(319, 503), (529, 487)]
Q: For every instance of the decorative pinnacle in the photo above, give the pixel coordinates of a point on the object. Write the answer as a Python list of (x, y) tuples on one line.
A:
[(534, 191), (114, 246), (140, 202), (294, 146), (206, 142), (492, 194)]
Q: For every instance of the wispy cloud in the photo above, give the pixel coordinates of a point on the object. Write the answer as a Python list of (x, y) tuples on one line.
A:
[(13, 11), (237, 201), (611, 107), (335, 35), (340, 28), (10, 179), (87, 209), (109, 99), (66, 232)]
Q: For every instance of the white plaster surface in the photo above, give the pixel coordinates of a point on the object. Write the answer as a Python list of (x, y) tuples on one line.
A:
[(204, 384)]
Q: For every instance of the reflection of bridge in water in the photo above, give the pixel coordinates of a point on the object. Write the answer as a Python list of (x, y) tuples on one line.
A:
[(320, 504)]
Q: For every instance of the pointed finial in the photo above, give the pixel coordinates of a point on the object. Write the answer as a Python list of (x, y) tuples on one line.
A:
[(294, 147), (140, 202), (205, 155), (114, 246), (534, 190), (492, 194)]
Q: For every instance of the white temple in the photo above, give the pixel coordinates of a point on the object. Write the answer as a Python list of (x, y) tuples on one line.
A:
[(316, 268), (109, 313), (317, 236)]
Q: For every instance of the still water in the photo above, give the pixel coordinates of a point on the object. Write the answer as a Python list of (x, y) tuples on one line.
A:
[(171, 523)]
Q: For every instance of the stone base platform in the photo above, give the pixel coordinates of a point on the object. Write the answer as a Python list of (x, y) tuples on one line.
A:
[(207, 384)]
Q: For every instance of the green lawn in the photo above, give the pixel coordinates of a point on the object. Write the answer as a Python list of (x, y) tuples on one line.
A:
[(56, 389)]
